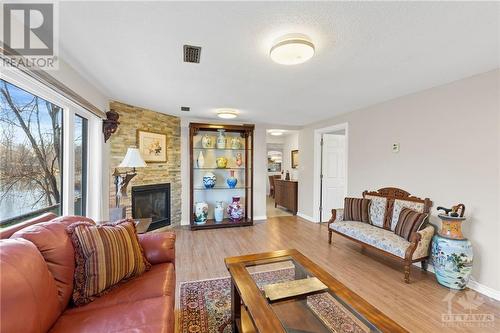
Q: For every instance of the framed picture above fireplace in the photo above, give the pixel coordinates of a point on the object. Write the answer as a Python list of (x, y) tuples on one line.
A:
[(152, 145)]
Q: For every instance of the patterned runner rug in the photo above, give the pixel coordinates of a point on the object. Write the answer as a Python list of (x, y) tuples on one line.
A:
[(206, 305)]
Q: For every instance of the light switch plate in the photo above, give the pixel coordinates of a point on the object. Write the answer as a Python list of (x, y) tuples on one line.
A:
[(395, 147)]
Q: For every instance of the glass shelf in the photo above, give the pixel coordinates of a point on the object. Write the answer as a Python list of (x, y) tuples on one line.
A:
[(198, 188), (222, 149), (215, 168)]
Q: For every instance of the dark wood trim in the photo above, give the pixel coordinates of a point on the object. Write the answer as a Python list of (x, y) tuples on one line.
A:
[(49, 81), (263, 316)]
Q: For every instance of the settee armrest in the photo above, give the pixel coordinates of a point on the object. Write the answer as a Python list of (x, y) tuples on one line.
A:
[(424, 241), (337, 215), (159, 247)]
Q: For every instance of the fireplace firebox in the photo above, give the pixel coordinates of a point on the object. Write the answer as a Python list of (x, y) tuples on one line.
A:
[(152, 201)]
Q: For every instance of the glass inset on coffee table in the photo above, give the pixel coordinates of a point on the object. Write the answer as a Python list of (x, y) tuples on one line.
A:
[(283, 291)]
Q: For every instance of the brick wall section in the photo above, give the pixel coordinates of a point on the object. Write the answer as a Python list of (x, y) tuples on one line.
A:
[(131, 119)]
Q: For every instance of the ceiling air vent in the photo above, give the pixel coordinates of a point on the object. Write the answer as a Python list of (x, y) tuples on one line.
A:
[(192, 54), (185, 108)]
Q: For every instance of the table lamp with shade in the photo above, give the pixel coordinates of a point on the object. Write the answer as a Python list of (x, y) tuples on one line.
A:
[(132, 160)]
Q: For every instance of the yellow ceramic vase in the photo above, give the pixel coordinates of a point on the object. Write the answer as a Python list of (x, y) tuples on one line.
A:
[(221, 162)]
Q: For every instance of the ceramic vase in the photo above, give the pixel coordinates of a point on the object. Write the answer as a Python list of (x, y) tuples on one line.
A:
[(201, 212), (235, 142), (209, 180), (221, 140), (221, 162), (452, 254), (206, 141), (219, 211), (201, 160), (239, 159), (231, 180), (235, 210)]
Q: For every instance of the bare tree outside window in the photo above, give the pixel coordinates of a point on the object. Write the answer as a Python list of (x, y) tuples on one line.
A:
[(30, 153)]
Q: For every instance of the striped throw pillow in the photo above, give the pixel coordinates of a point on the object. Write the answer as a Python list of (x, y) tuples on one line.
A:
[(357, 210), (105, 255), (409, 222)]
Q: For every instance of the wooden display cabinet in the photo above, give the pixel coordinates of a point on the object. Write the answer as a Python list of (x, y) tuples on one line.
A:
[(221, 191)]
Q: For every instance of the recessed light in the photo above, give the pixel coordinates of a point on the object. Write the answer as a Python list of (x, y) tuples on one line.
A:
[(276, 132), (292, 50), (227, 113)]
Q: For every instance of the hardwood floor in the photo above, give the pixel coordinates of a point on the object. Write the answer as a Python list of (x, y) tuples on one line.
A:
[(417, 306)]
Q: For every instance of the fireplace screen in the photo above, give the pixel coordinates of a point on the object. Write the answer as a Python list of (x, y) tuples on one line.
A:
[(152, 201)]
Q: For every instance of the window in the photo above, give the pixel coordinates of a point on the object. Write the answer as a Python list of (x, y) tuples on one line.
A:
[(31, 154), (80, 166), (49, 150)]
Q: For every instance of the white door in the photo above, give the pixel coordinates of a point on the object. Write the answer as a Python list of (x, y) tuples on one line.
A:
[(334, 174)]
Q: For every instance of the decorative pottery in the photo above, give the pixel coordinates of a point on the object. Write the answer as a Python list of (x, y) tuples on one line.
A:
[(239, 159), (452, 254), (209, 180), (231, 181), (221, 162), (219, 211), (235, 142), (207, 141), (201, 212), (221, 140), (235, 210), (201, 160)]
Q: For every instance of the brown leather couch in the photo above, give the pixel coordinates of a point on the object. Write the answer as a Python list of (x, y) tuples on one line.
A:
[(36, 282)]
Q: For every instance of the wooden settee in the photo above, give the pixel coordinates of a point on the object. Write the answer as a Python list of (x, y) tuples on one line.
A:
[(379, 234)]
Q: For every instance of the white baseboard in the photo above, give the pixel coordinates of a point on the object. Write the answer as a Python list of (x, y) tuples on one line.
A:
[(482, 289), (306, 217), (259, 218), (473, 284)]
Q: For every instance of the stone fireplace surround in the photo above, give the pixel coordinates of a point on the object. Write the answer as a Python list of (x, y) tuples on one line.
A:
[(132, 119)]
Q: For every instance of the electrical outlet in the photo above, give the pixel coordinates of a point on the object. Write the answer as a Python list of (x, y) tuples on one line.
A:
[(395, 147)]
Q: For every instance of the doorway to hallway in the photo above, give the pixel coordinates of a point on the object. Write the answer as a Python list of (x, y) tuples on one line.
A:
[(330, 186)]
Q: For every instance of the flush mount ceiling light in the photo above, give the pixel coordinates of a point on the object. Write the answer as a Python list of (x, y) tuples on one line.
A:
[(227, 113), (292, 50)]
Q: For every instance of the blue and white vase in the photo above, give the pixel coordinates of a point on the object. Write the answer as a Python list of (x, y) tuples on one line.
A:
[(219, 211), (231, 180), (452, 261), (209, 180)]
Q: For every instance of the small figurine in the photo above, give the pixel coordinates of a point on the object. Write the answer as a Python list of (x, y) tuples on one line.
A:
[(455, 211)]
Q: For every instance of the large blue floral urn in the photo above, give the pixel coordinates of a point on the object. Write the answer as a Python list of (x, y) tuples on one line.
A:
[(452, 254)]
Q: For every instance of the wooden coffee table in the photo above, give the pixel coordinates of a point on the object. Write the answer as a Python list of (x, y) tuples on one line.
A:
[(334, 309)]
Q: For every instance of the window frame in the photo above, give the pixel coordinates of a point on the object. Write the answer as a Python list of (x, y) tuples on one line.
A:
[(94, 144)]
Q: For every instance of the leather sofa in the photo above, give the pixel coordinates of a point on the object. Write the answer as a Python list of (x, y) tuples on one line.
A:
[(36, 283)]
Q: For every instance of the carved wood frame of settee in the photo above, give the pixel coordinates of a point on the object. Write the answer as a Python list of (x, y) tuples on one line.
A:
[(393, 193)]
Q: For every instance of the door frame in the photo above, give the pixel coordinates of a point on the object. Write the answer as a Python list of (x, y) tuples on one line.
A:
[(317, 188)]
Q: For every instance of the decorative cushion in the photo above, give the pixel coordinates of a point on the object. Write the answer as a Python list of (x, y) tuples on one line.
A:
[(409, 222), (377, 210), (399, 205), (105, 255), (356, 210), (380, 238)]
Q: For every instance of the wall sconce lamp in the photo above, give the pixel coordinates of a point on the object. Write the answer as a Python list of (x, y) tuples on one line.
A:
[(132, 160)]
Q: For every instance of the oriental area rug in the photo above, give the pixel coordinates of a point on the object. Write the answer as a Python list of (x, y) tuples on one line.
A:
[(205, 305)]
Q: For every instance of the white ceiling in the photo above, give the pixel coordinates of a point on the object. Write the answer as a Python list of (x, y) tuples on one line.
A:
[(366, 52)]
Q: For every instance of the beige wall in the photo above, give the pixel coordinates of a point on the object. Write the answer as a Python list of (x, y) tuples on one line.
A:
[(450, 152), (291, 142), (134, 118)]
